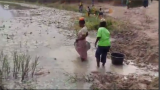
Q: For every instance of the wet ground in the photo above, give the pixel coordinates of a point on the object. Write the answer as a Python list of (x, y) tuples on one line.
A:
[(43, 32)]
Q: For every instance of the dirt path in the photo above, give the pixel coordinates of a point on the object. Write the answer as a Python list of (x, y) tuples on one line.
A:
[(137, 16), (142, 39), (46, 35)]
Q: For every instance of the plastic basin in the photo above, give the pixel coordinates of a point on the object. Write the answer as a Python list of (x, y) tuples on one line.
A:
[(117, 58)]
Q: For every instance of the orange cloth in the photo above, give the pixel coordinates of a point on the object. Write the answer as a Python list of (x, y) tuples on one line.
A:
[(81, 18)]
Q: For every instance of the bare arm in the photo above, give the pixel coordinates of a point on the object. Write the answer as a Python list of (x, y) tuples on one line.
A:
[(99, 33), (98, 38), (86, 34)]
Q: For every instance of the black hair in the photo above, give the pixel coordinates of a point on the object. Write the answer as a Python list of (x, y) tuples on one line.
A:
[(100, 9), (103, 24), (82, 21)]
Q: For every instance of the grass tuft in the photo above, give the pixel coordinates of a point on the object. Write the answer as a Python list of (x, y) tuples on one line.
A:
[(20, 67)]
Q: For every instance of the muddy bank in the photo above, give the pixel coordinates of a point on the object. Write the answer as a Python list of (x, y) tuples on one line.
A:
[(140, 41), (132, 81), (136, 47)]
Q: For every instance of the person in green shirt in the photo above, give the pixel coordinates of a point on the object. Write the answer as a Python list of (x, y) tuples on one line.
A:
[(104, 43)]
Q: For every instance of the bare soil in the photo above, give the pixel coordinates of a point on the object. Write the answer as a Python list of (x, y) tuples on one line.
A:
[(140, 41), (132, 81)]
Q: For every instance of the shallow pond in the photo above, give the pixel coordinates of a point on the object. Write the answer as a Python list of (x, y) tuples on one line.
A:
[(57, 53)]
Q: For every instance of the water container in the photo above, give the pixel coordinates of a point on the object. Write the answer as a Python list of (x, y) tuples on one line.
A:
[(117, 58)]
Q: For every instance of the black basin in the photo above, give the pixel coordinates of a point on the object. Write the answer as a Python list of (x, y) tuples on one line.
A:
[(117, 58)]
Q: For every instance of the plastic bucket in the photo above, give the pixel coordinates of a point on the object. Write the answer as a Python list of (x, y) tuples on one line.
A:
[(117, 58)]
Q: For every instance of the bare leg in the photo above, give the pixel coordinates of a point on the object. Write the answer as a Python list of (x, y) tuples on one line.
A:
[(98, 63)]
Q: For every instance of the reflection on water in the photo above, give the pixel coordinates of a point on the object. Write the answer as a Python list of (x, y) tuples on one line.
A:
[(5, 14), (10, 12), (12, 6)]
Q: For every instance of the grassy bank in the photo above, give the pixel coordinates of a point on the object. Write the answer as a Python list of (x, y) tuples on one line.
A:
[(92, 22)]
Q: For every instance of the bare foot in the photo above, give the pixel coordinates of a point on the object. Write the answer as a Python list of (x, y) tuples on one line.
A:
[(97, 66), (103, 64), (82, 59)]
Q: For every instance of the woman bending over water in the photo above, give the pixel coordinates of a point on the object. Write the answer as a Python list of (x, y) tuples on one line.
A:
[(104, 43), (81, 45)]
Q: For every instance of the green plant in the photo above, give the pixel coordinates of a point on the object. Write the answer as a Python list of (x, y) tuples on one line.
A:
[(92, 23)]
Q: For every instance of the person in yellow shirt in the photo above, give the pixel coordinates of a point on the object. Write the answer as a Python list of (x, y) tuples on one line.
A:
[(80, 7), (94, 9)]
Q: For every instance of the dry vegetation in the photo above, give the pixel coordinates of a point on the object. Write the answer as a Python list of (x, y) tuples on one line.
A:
[(21, 68)]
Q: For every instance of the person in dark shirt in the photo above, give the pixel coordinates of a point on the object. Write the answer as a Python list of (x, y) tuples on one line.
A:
[(100, 13), (145, 3), (92, 2), (88, 11), (128, 3)]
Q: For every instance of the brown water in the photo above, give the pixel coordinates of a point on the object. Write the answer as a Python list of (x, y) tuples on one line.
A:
[(39, 36)]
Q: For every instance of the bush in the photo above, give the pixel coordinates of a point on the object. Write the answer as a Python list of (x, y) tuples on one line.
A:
[(92, 23)]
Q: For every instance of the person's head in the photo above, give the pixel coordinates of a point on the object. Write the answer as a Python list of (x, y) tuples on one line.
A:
[(81, 22), (103, 23), (100, 9)]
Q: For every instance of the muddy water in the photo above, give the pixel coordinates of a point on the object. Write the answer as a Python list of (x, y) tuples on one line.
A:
[(41, 36), (4, 13)]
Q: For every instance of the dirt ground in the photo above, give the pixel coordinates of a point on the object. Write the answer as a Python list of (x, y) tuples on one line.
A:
[(140, 43), (132, 81)]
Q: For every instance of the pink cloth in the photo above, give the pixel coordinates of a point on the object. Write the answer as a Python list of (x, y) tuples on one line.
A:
[(81, 46)]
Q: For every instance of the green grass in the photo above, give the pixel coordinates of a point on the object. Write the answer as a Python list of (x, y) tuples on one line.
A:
[(93, 21), (113, 25)]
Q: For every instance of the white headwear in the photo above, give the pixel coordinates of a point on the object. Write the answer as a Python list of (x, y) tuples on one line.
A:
[(103, 20)]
